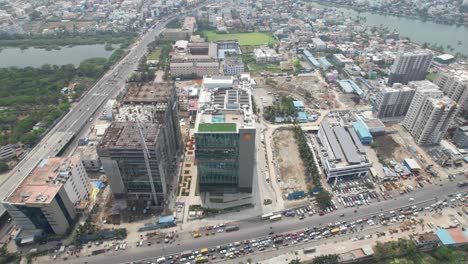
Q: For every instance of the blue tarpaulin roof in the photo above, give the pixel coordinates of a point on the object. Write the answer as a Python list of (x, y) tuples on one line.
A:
[(302, 117), (166, 219), (97, 184), (298, 104), (444, 237)]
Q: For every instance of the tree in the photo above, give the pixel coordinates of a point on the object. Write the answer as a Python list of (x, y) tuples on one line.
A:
[(324, 198), (326, 259), (34, 15), (295, 261), (3, 167)]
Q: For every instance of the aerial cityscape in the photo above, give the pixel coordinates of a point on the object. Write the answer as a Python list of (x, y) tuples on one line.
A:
[(244, 131)]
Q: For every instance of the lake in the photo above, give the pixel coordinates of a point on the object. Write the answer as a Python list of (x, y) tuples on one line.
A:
[(417, 30), (34, 57)]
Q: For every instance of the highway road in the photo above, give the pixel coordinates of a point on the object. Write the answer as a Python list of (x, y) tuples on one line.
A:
[(79, 116), (254, 228)]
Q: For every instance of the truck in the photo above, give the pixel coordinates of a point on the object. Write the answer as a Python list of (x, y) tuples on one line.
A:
[(462, 184), (231, 228), (204, 251)]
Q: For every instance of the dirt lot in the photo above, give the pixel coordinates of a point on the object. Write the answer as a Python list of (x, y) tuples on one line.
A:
[(311, 89), (388, 148), (291, 168)]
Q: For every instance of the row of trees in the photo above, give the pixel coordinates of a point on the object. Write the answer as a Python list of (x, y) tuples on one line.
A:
[(322, 259), (307, 156), (323, 197), (404, 251)]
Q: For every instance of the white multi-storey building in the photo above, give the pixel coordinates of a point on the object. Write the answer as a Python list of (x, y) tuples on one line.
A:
[(429, 115), (341, 152), (454, 84), (410, 66), (391, 104), (48, 198)]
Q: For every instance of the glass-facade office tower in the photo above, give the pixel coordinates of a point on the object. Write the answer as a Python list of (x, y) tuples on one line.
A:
[(225, 160)]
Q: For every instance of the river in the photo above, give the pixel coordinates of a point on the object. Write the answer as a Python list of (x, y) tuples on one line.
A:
[(34, 57), (417, 30)]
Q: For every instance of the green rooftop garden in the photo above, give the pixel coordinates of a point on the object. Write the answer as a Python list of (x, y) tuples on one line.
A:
[(217, 127)]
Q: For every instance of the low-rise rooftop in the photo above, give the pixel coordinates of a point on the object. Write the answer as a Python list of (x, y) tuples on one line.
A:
[(44, 181)]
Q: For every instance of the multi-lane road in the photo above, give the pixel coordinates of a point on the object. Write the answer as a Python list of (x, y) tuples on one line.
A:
[(254, 227), (83, 111)]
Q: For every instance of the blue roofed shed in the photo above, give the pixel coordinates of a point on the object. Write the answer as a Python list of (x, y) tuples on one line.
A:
[(362, 132), (299, 105), (452, 236), (168, 219), (302, 117)]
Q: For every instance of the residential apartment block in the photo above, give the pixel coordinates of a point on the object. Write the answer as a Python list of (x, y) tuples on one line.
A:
[(391, 104), (429, 115), (460, 138), (225, 142), (454, 84), (410, 66), (50, 197)]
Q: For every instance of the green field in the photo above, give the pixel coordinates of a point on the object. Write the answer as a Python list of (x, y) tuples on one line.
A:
[(217, 127), (245, 39), (155, 55), (431, 76)]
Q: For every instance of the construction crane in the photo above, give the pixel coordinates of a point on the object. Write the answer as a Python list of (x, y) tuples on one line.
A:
[(147, 156)]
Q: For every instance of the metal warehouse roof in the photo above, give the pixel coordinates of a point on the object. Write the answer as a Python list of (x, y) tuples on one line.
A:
[(356, 140), (347, 145), (332, 141)]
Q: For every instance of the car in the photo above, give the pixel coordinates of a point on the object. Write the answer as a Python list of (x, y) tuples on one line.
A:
[(341, 215), (285, 244)]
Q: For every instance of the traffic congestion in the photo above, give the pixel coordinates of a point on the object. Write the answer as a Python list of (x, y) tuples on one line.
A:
[(405, 217)]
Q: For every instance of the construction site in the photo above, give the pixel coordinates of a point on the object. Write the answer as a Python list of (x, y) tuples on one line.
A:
[(139, 153)]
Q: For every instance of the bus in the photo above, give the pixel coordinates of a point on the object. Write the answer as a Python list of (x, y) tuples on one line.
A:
[(275, 218), (186, 254), (231, 228), (201, 259), (267, 216), (309, 250)]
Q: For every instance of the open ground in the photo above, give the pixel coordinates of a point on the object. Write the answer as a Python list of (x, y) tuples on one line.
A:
[(245, 39), (291, 167)]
